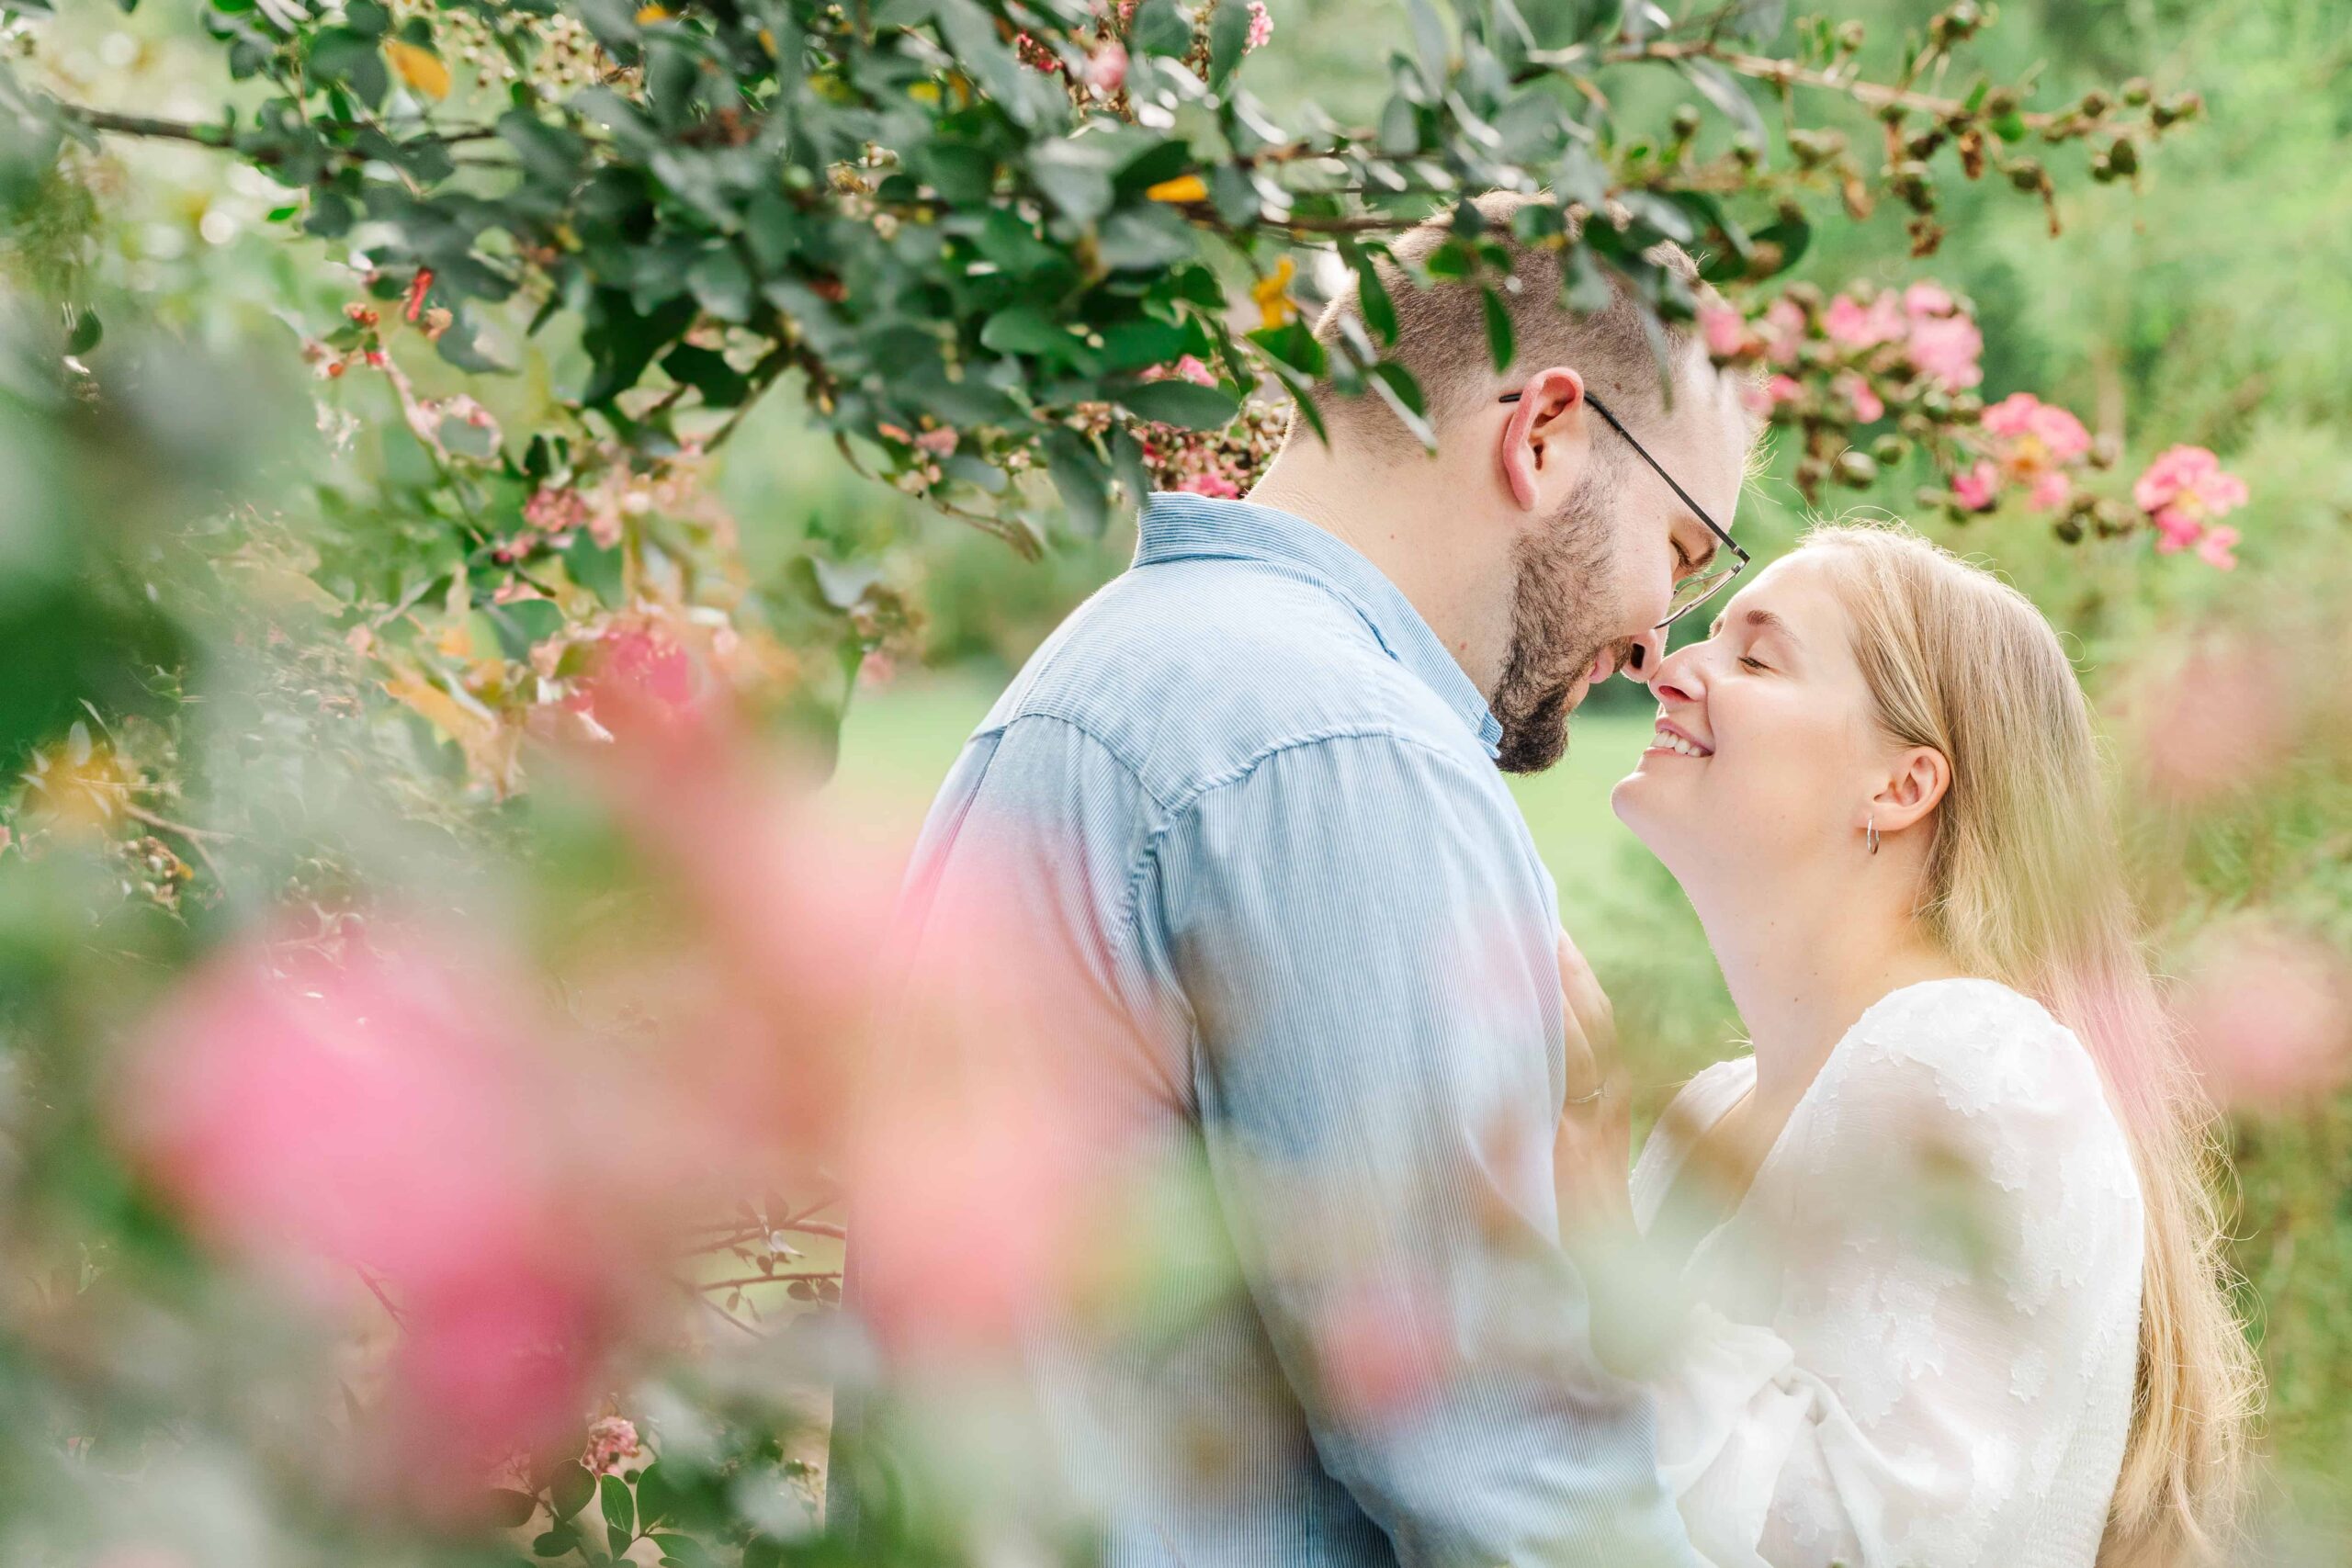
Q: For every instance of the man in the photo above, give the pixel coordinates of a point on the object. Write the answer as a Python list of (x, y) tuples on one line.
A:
[(1248, 795)]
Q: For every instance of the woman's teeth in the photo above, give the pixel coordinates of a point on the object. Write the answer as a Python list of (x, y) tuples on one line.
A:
[(1669, 741)]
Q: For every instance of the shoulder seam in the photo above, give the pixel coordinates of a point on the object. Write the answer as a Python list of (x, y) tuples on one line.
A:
[(1183, 807)]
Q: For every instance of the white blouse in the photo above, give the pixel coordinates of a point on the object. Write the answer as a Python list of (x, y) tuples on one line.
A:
[(1914, 1340)]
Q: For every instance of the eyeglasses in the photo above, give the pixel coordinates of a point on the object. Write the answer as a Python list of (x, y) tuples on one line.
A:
[(1691, 591)]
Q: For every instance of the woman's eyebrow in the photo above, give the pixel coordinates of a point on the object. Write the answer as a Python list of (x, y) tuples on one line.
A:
[(1760, 620)]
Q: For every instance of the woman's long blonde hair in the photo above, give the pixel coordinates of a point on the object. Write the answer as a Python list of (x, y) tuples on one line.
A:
[(2024, 886)]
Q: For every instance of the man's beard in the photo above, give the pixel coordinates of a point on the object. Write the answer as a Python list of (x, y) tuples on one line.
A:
[(1556, 634)]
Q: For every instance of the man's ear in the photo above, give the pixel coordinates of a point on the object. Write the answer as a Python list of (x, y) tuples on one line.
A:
[(1546, 424), (1921, 776)]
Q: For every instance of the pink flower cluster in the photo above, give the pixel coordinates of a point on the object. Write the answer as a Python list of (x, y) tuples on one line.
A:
[(1921, 332), (2184, 491), (1221, 462), (2035, 446), (612, 1441)]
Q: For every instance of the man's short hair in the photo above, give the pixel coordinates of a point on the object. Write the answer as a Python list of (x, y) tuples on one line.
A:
[(1442, 334)]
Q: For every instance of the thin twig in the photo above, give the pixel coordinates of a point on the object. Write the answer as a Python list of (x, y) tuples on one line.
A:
[(195, 836)]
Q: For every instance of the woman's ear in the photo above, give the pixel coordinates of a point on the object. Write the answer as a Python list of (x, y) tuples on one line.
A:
[(1921, 776), (1547, 417)]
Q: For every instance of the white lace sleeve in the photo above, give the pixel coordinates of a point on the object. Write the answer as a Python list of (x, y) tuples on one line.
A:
[(1930, 1359)]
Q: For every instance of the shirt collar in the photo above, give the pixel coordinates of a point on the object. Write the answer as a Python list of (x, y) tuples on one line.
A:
[(1179, 525)]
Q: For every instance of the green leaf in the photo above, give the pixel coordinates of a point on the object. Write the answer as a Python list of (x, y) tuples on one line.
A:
[(352, 58), (655, 1501), (620, 1509), (1228, 40), (1080, 478), (573, 1485), (707, 371), (722, 284), (82, 329), (1432, 42), (1160, 26), (1186, 405), (1395, 386), (1791, 234), (555, 1542), (1292, 345), (1499, 346), (1137, 344), (685, 1551), (1025, 329), (1379, 312), (509, 1509), (1723, 90)]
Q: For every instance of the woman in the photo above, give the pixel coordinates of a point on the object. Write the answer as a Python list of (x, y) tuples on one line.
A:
[(1953, 1269)]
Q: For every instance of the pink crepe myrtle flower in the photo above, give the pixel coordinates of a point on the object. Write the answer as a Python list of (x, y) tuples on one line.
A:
[(1868, 406), (939, 443), (2265, 1016), (1725, 329), (612, 1440), (2050, 491), (2218, 547), (377, 1115), (2210, 723), (2021, 416), (1946, 349), (1261, 25), (1210, 484), (2182, 493), (1976, 489), (1853, 324), (1107, 69), (2035, 444), (1781, 329), (1187, 368), (1924, 301)]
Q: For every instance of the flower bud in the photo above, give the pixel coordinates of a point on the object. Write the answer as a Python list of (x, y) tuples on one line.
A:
[(2136, 92), (1685, 124), (1856, 469), (2026, 174), (2093, 104), (2123, 157), (1850, 37), (1889, 449), (2069, 529)]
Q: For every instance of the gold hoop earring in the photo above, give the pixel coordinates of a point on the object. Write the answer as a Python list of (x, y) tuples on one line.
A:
[(1870, 833)]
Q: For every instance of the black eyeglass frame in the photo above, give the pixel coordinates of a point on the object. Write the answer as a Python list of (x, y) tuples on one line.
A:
[(1739, 556)]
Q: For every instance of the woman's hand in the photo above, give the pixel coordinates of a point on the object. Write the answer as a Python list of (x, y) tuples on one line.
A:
[(1592, 1155)]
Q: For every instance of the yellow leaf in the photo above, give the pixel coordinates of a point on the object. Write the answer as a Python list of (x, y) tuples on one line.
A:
[(492, 749), (648, 15), (767, 41), (924, 92), (420, 68), (1273, 294), (1183, 187)]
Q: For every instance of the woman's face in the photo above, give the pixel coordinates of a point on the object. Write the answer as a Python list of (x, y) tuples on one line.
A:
[(1767, 754)]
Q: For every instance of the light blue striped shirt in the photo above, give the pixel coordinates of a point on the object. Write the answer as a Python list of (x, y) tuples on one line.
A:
[(1250, 799)]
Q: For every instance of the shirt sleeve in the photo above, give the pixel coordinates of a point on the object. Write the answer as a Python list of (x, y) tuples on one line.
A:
[(1958, 1230), (1366, 945)]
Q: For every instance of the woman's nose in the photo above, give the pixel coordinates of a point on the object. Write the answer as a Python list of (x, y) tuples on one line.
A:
[(1676, 678)]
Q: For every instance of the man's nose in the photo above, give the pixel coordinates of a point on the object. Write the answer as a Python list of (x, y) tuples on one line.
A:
[(1644, 657)]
